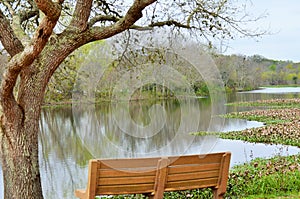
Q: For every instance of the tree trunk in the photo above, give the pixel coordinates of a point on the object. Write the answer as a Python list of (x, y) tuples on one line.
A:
[(19, 150), (20, 127), (20, 123), (20, 166), (19, 141)]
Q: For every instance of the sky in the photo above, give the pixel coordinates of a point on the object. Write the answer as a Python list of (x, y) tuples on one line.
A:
[(283, 21)]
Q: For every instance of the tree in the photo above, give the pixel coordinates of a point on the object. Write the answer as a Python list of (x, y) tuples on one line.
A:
[(38, 35)]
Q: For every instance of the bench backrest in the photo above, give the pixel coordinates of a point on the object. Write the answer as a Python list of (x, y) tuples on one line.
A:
[(156, 175)]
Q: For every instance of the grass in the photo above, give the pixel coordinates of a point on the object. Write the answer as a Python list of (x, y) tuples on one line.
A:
[(283, 196), (273, 103), (265, 178), (258, 118)]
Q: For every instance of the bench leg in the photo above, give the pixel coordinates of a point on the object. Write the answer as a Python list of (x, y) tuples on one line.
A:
[(149, 195), (81, 193), (217, 195)]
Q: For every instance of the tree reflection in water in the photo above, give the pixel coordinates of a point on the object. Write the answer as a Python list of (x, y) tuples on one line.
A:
[(70, 136)]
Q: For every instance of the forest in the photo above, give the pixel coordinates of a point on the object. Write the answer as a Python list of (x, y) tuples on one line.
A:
[(238, 73)]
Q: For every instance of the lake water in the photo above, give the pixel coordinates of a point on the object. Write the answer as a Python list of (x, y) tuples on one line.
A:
[(70, 136)]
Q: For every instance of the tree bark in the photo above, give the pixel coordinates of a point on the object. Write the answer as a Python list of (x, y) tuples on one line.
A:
[(20, 163), (21, 114), (19, 142)]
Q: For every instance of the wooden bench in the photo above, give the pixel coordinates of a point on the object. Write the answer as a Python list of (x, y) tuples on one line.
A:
[(154, 176)]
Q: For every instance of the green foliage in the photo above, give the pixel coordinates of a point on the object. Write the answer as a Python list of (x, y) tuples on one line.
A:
[(237, 73), (204, 133), (61, 85), (275, 176), (195, 194), (275, 135), (201, 89), (279, 72), (137, 196), (273, 67), (258, 118), (273, 103)]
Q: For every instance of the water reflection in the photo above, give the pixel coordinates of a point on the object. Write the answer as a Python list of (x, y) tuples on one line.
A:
[(70, 136), (69, 139), (264, 94), (97, 129), (283, 90)]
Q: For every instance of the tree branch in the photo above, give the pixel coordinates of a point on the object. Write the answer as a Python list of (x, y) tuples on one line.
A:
[(49, 8), (81, 15), (9, 7), (8, 38), (170, 23), (29, 54), (106, 8), (102, 18), (133, 14), (24, 16), (19, 18)]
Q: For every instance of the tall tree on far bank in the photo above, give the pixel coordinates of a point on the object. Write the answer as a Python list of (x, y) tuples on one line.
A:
[(39, 34)]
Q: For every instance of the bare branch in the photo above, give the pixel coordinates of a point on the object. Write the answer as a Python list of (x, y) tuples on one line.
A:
[(107, 8), (135, 12), (141, 28), (9, 7), (24, 16), (103, 18), (170, 23)]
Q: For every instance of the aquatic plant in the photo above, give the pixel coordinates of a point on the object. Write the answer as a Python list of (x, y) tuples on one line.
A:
[(274, 103)]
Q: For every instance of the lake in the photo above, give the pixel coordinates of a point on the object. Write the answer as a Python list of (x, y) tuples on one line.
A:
[(70, 136)]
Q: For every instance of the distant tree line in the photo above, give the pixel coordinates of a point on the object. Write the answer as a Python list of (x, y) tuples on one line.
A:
[(238, 72)]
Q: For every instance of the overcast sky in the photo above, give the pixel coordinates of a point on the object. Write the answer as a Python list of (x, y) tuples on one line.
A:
[(284, 21)]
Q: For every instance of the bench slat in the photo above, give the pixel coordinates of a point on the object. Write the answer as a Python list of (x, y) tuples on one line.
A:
[(193, 168), (191, 184), (129, 163), (196, 159), (192, 176), (126, 173), (124, 189), (126, 180)]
